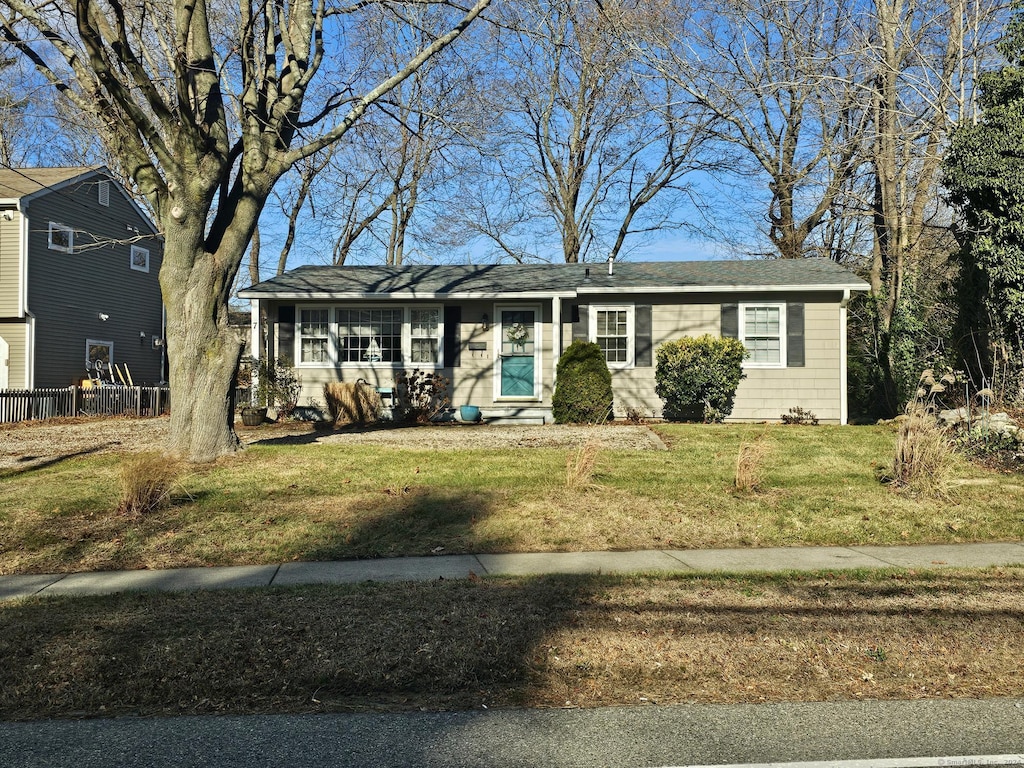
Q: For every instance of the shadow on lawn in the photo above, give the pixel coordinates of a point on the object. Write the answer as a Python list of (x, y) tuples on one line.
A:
[(29, 466), (464, 644), (407, 519)]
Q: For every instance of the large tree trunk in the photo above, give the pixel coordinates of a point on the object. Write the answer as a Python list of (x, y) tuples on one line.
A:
[(203, 351)]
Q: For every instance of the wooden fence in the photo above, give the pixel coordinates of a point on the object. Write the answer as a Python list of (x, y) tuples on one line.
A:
[(19, 405)]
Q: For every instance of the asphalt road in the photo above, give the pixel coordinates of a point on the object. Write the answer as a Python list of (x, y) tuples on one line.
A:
[(638, 737)]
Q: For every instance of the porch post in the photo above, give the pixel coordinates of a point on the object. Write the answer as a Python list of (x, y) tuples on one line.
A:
[(255, 337), (556, 335)]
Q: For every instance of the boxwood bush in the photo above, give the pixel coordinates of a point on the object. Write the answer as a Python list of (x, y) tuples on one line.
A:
[(583, 389), (697, 377)]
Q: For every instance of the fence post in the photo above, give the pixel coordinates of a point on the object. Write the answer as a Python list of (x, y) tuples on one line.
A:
[(74, 400)]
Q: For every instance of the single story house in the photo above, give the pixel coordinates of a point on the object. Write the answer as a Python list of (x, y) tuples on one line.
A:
[(497, 331)]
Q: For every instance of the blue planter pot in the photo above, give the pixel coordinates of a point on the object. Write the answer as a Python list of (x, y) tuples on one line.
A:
[(469, 413)]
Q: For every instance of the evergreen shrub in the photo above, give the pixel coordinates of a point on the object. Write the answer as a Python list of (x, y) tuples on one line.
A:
[(697, 377), (583, 390)]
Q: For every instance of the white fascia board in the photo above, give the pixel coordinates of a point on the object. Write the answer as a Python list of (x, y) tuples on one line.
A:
[(724, 289), (403, 296)]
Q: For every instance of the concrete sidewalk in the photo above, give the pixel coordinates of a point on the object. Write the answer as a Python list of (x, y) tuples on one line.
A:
[(463, 566)]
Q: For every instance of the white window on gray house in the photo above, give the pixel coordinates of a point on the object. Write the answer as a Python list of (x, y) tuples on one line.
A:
[(425, 328), (370, 335), (61, 238), (140, 259), (763, 333), (613, 333), (314, 335), (104, 193)]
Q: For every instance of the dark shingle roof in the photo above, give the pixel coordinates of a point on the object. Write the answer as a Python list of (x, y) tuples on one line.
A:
[(537, 280)]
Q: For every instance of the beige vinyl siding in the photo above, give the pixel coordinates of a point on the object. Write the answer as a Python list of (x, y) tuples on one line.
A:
[(15, 335), (10, 264), (68, 291), (765, 393), (768, 393)]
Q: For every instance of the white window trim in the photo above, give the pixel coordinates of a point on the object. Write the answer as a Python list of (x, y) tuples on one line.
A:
[(333, 338), (783, 352), (55, 227), (103, 193), (138, 249), (407, 336), (630, 331)]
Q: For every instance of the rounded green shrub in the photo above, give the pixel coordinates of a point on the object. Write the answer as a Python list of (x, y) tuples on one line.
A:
[(697, 377), (583, 389)]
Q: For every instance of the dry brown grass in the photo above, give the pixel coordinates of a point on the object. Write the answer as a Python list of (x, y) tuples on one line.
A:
[(580, 464), (550, 641), (147, 481), (352, 403), (749, 461)]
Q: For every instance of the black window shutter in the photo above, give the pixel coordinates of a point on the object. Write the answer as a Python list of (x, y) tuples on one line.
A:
[(642, 336), (453, 335), (580, 320), (286, 334), (730, 321), (795, 335)]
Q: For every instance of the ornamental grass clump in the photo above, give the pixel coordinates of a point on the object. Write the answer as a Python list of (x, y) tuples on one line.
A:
[(147, 481), (924, 457), (749, 461), (583, 388), (580, 464), (348, 403)]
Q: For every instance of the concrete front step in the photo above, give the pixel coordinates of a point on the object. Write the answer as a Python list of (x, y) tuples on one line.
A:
[(517, 415)]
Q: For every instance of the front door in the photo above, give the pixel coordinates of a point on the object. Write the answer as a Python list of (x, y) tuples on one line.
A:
[(517, 353)]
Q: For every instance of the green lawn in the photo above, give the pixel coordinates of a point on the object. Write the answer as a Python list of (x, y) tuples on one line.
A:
[(818, 485)]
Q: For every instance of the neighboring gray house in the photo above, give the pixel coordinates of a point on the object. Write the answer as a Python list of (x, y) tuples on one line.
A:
[(497, 331), (79, 267)]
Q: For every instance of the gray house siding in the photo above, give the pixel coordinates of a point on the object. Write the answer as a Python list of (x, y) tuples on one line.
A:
[(69, 291)]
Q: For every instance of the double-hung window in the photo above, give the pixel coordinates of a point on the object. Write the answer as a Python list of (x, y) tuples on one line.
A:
[(314, 335), (424, 331), (763, 332), (613, 333)]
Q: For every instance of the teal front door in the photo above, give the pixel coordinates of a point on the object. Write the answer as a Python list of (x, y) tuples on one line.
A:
[(517, 354)]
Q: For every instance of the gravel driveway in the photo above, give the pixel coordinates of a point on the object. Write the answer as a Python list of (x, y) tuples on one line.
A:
[(32, 443)]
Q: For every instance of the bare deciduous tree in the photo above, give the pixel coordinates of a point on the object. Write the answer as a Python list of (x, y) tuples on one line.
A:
[(782, 78), (587, 141), (205, 107), (923, 56)]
